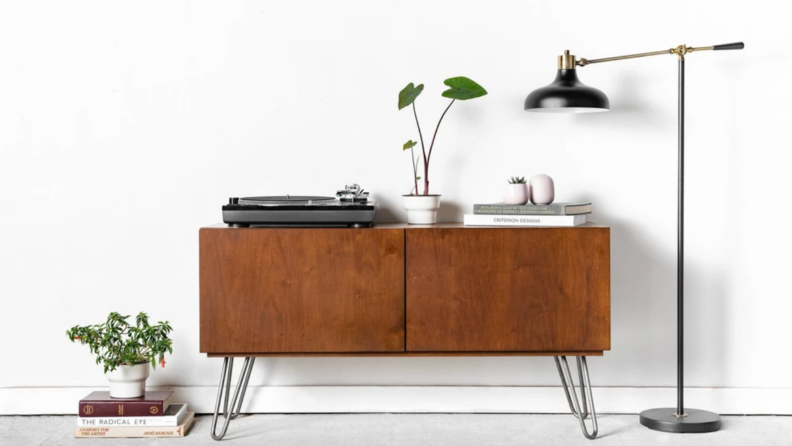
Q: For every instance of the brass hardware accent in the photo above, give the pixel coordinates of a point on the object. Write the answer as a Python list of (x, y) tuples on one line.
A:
[(684, 414), (680, 51), (584, 62), (701, 48), (566, 62)]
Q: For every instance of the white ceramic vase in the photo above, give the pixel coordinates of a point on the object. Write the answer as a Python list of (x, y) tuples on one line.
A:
[(421, 209), (541, 189), (515, 193), (129, 381)]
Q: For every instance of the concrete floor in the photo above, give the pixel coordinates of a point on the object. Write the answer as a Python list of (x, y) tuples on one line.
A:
[(423, 430)]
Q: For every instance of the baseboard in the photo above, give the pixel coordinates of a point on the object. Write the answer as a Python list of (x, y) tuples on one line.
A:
[(418, 399)]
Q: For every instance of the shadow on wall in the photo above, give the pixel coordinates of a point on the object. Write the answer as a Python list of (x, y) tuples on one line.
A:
[(628, 106), (450, 212), (643, 311), (389, 209)]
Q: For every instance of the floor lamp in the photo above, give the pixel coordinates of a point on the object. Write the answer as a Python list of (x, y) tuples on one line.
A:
[(568, 95)]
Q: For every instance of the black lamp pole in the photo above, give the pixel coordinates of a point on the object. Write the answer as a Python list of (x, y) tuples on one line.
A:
[(568, 94), (681, 244)]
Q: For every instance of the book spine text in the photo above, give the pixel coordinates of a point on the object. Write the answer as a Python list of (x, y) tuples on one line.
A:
[(142, 432), (136, 431), (119, 409), (488, 209), (126, 421), (527, 221)]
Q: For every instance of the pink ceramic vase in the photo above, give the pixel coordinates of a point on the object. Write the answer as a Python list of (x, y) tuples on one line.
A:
[(541, 189)]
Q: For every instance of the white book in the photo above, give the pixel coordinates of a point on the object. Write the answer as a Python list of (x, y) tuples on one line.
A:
[(524, 220), (136, 431), (172, 417)]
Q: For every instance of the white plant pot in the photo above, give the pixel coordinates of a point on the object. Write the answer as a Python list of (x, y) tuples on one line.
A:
[(421, 209), (129, 381), (515, 193)]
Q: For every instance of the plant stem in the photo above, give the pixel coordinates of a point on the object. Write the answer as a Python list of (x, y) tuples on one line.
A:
[(431, 146), (423, 149), (414, 163)]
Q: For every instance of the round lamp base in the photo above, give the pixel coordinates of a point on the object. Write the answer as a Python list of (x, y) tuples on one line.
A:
[(696, 421)]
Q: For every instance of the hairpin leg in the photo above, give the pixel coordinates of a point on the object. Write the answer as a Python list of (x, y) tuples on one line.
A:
[(585, 393), (224, 392)]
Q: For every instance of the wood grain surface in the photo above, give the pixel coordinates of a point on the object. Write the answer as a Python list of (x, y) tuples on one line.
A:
[(270, 290), (508, 289)]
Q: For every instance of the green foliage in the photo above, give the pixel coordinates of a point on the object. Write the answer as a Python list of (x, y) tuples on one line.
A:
[(463, 89), (116, 342), (517, 180), (409, 94)]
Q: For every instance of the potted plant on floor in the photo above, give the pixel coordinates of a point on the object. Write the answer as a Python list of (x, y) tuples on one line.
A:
[(422, 208), (126, 350)]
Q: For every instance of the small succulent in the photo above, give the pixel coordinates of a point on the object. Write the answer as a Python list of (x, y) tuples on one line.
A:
[(517, 180)]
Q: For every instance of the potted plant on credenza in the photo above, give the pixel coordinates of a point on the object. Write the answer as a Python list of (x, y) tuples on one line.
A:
[(126, 350), (516, 191), (422, 207)]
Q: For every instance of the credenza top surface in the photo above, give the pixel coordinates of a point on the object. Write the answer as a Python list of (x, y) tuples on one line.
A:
[(435, 226)]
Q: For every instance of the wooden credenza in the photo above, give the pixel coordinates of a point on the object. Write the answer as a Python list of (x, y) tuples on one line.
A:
[(399, 290)]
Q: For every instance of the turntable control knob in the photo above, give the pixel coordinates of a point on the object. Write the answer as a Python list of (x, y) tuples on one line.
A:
[(233, 200)]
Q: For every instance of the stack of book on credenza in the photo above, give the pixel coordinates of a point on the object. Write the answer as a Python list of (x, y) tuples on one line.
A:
[(502, 214), (152, 415)]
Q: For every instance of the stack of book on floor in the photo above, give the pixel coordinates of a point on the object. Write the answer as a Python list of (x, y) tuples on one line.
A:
[(152, 415), (502, 214)]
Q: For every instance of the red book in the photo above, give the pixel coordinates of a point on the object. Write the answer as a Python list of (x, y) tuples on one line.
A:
[(99, 404)]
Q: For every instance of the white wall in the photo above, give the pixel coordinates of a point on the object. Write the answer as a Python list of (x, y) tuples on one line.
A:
[(125, 125)]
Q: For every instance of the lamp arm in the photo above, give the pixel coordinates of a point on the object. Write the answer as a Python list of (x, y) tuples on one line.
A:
[(681, 50)]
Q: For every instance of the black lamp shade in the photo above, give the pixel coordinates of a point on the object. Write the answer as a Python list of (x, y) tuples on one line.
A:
[(567, 95)]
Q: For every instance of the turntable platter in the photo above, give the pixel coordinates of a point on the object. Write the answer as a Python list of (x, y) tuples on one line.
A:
[(350, 207), (285, 199)]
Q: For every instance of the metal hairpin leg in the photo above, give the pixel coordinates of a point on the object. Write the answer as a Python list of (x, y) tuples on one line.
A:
[(225, 388), (585, 393)]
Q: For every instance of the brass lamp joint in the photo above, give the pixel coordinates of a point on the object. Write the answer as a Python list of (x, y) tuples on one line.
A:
[(680, 51), (566, 62)]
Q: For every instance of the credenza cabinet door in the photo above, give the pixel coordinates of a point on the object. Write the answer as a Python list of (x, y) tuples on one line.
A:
[(291, 290), (508, 289)]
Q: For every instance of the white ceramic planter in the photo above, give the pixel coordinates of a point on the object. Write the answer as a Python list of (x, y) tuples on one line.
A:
[(421, 209), (515, 193), (129, 381)]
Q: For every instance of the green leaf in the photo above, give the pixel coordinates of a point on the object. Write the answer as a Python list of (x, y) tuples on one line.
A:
[(409, 145), (417, 178), (408, 95), (116, 342), (463, 89)]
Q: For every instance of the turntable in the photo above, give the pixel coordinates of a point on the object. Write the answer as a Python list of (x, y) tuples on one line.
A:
[(350, 207)]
